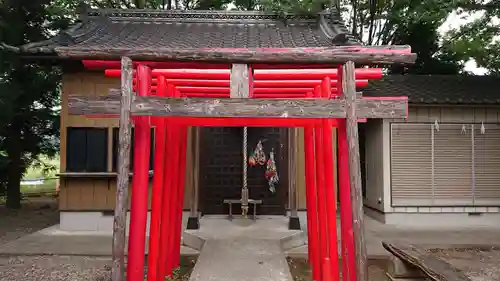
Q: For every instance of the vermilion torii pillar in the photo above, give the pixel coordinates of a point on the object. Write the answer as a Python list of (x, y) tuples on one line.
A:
[(321, 113)]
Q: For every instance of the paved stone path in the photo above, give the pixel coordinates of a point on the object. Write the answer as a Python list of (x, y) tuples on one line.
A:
[(241, 259)]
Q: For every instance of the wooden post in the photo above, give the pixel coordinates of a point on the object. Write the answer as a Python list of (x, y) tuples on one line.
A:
[(349, 87), (294, 222), (240, 90), (193, 220), (120, 216)]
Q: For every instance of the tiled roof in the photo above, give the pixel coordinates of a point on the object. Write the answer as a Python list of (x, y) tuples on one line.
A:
[(438, 89), (199, 29)]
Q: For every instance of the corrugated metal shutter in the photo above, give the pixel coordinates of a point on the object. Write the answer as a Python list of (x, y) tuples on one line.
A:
[(453, 165), (411, 164), (487, 164)]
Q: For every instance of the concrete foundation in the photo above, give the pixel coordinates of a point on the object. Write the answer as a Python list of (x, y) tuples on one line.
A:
[(436, 218), (96, 221)]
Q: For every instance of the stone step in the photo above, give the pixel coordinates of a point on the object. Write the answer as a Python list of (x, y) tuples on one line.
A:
[(241, 259)]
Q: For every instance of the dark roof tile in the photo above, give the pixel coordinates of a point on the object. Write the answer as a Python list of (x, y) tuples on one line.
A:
[(199, 29), (438, 89)]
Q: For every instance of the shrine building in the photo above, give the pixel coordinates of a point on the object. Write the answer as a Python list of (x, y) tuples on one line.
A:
[(438, 162)]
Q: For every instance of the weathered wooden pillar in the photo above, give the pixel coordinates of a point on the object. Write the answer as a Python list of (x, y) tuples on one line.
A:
[(349, 87), (124, 141), (347, 239), (294, 222), (194, 219)]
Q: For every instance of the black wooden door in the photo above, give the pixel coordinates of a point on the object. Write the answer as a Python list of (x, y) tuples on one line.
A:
[(221, 169)]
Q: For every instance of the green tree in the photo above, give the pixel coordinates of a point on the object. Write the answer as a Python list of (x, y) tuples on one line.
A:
[(28, 93), (408, 22), (478, 40)]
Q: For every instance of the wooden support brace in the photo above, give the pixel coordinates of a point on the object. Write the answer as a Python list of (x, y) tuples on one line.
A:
[(241, 107), (330, 55), (120, 214), (397, 268), (434, 268)]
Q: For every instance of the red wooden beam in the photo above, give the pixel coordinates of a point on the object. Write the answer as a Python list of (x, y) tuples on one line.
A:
[(330, 196), (257, 84), (186, 89), (140, 190), (216, 74), (156, 200), (183, 131), (259, 74), (312, 74), (298, 83), (311, 201), (165, 265), (110, 64), (197, 82), (175, 161), (320, 184)]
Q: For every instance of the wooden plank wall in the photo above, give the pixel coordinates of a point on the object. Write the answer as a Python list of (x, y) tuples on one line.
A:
[(96, 194)]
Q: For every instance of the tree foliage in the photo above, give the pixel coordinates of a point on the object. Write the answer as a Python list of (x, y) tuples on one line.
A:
[(478, 40), (28, 93), (408, 22)]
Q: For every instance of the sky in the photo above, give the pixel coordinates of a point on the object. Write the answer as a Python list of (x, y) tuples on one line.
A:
[(455, 21)]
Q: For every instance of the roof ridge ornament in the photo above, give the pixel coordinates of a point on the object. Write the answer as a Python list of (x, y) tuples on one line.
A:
[(82, 11)]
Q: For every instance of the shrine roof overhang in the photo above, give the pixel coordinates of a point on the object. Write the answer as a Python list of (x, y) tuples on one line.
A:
[(438, 89), (101, 29)]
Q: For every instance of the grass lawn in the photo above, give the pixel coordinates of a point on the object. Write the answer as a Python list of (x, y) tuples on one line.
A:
[(186, 267), (49, 184)]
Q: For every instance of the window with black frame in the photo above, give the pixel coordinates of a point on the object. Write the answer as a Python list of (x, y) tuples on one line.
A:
[(86, 149), (115, 149)]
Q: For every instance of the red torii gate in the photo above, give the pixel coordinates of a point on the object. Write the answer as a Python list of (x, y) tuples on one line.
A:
[(317, 116)]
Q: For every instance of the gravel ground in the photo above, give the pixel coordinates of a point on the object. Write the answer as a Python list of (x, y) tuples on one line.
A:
[(39, 213), (54, 268), (479, 264), (36, 214)]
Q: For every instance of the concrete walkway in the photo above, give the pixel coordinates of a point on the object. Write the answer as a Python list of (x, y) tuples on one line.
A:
[(54, 241), (241, 259), (444, 237), (242, 249)]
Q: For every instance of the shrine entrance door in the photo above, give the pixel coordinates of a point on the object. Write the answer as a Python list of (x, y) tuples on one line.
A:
[(221, 169)]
